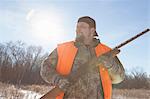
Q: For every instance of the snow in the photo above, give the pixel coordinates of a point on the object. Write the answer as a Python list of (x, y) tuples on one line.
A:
[(30, 94)]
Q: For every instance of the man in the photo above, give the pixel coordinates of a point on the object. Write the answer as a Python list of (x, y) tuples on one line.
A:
[(84, 68)]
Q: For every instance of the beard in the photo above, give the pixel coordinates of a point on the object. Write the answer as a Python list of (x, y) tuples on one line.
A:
[(81, 38)]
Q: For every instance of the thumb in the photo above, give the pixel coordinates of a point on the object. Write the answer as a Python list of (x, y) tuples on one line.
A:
[(115, 52)]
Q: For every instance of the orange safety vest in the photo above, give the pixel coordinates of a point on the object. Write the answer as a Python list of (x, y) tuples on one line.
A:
[(66, 54)]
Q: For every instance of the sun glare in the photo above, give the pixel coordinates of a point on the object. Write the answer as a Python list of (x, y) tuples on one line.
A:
[(46, 26)]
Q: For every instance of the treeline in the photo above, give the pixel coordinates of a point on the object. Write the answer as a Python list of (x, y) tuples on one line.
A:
[(20, 64), (135, 80)]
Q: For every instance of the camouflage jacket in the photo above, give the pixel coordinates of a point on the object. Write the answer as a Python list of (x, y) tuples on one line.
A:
[(90, 86)]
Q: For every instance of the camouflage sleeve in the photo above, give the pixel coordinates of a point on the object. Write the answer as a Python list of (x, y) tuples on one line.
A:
[(116, 71), (48, 71)]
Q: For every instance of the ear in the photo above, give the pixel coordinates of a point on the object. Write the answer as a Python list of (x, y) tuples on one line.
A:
[(93, 31)]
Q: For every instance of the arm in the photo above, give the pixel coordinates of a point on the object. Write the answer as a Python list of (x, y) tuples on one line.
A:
[(116, 72), (114, 66), (48, 71)]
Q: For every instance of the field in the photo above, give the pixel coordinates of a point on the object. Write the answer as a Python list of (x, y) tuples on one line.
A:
[(8, 91)]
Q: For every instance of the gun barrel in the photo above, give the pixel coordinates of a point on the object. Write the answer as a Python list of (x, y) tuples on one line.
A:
[(131, 39)]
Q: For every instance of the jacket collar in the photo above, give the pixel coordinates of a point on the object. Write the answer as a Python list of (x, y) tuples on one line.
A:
[(93, 44)]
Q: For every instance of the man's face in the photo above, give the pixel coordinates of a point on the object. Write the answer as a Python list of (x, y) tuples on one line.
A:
[(83, 29)]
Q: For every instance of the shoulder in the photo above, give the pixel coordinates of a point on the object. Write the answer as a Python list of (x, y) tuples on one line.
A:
[(104, 46), (66, 43)]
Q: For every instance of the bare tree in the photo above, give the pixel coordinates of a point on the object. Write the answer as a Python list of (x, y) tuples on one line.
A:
[(20, 63), (135, 80)]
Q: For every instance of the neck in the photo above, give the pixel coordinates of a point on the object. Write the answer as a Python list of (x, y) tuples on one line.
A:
[(94, 43), (87, 41)]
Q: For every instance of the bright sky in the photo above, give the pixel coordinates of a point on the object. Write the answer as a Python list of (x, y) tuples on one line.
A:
[(49, 22)]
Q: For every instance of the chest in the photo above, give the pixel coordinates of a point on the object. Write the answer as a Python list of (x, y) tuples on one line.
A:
[(84, 55)]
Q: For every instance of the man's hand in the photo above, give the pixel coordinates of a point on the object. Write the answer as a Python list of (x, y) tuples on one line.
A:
[(112, 53), (107, 58)]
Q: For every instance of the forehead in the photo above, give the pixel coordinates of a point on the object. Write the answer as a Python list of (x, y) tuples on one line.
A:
[(82, 24)]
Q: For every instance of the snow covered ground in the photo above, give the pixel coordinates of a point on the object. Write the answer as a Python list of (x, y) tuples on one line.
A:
[(24, 94), (8, 91), (30, 94)]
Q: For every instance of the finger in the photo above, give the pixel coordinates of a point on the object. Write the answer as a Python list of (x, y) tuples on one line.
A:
[(115, 52)]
